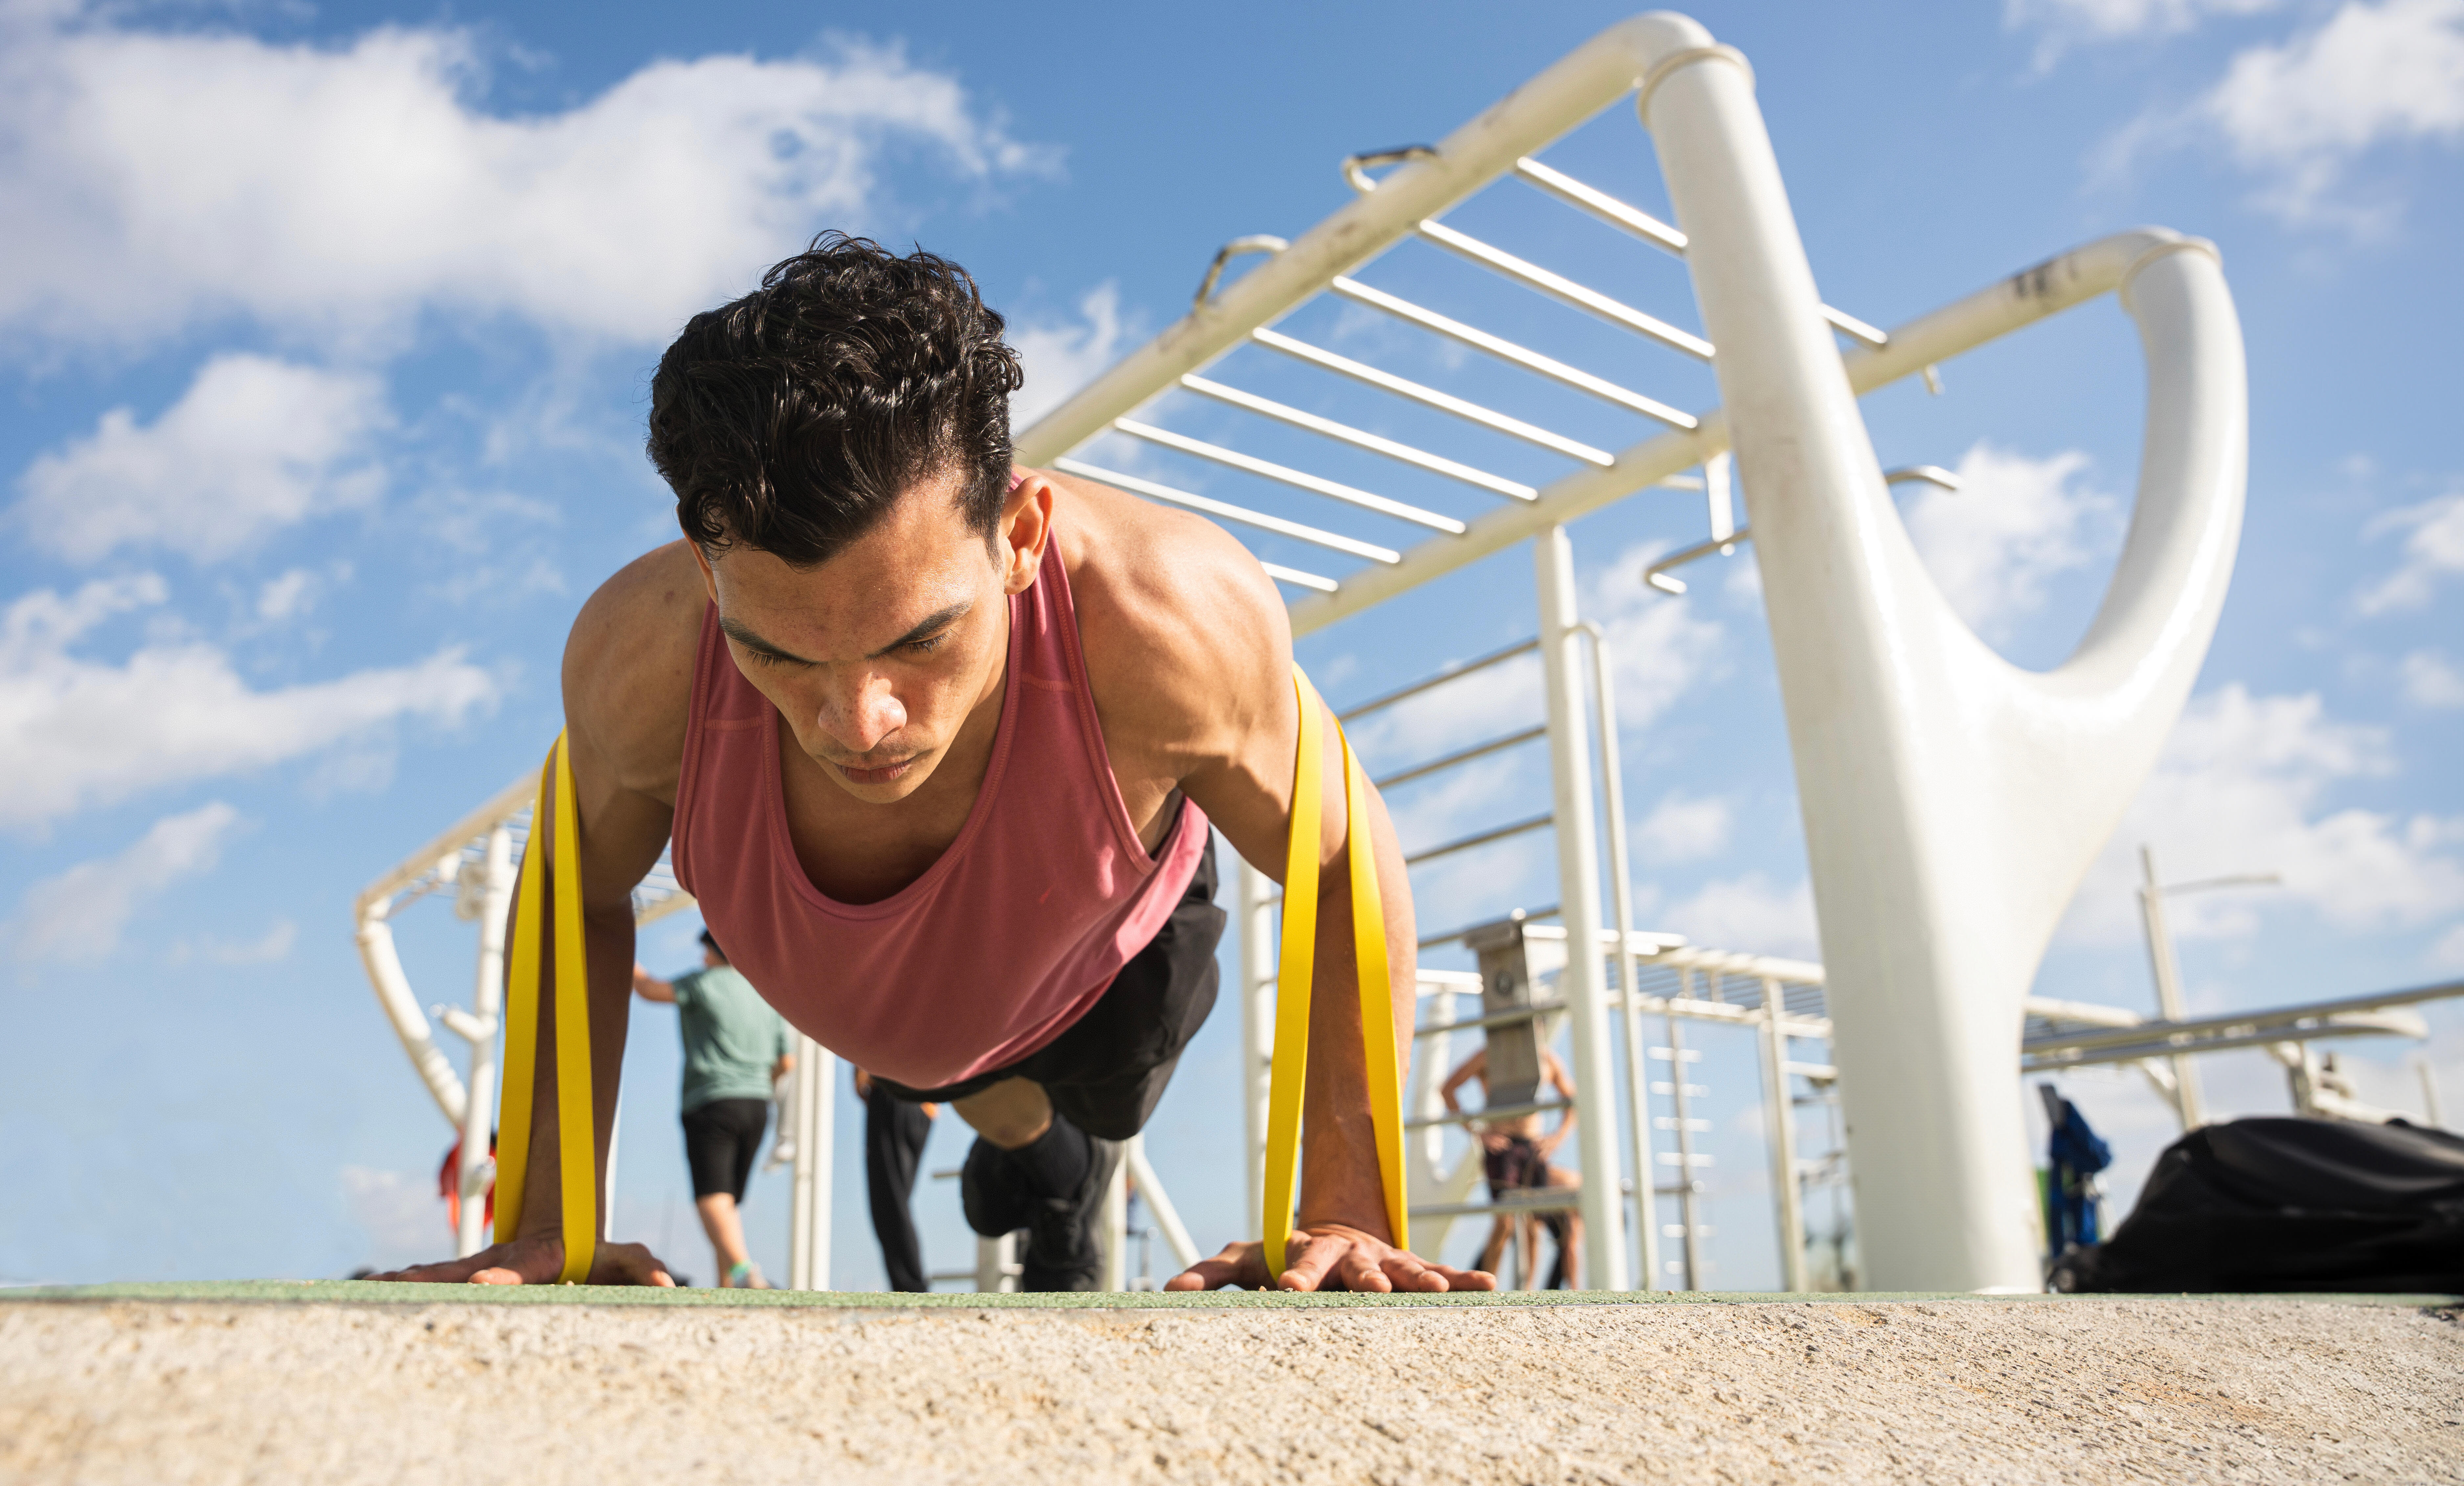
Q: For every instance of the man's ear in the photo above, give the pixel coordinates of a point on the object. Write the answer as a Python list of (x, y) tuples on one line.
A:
[(709, 575), (1025, 527)]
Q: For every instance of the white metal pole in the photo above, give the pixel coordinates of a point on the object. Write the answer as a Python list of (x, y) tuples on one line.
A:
[(1621, 900), (2168, 970), (1257, 1037), (487, 1006), (1779, 1113), (1578, 905), (993, 1261), (1112, 1224), (809, 1210)]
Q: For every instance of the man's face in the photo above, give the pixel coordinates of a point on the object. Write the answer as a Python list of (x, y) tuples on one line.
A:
[(878, 656)]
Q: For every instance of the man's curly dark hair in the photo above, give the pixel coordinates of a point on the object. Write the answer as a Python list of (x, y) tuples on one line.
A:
[(791, 420)]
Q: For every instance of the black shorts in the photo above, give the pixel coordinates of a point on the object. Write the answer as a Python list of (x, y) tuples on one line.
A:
[(1108, 1070), (721, 1138), (1517, 1167)]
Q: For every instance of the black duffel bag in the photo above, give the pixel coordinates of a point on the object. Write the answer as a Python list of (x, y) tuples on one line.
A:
[(2280, 1204)]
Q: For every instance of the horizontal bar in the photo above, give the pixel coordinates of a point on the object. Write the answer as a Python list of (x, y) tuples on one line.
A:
[(1359, 438), (1505, 1018), (1651, 229), (1465, 757), (1501, 1112), (1819, 1073), (1466, 843), (1572, 1198), (1506, 350), (2280, 1018), (1601, 204), (1450, 674), (1431, 397), (1230, 512), (2347, 1024), (1557, 286), (1298, 478), (1451, 935), (1298, 578)]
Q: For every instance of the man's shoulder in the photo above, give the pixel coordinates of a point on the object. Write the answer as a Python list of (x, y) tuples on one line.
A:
[(628, 666), (1175, 616)]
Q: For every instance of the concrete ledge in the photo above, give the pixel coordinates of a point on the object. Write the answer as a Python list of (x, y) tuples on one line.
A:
[(332, 1383)]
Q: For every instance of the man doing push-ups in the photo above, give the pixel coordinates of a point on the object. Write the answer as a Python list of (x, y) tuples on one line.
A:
[(941, 745)]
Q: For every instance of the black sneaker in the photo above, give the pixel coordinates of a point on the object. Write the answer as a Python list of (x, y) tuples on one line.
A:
[(1062, 1249)]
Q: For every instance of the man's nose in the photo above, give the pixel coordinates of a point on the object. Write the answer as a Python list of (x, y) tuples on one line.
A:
[(861, 712)]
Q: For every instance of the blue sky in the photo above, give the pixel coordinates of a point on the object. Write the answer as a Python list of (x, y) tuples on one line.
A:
[(324, 334)]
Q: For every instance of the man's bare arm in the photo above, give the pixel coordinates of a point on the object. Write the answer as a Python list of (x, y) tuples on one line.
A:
[(1472, 1068), (627, 677)]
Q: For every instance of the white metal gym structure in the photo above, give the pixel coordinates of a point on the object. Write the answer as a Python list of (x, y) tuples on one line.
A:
[(1951, 801)]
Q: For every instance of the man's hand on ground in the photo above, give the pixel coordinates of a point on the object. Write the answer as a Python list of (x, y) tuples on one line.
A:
[(1331, 1257), (537, 1260)]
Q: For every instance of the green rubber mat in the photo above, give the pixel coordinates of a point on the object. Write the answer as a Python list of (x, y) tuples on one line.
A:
[(364, 1292)]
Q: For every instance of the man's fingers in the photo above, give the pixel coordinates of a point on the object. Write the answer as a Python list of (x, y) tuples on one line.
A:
[(1405, 1270), (1308, 1259), (1226, 1268), (1465, 1278), (1360, 1271)]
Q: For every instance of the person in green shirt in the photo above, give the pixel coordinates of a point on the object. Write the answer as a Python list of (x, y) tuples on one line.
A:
[(735, 1047)]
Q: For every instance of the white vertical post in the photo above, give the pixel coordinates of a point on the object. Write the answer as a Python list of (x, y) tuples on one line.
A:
[(1779, 1114), (2167, 972), (993, 1261), (1112, 1224), (1622, 900), (487, 1008), (1579, 905), (809, 1210), (1257, 916)]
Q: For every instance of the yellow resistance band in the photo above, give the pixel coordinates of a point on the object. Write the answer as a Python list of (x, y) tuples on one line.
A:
[(576, 1149), (1290, 1075)]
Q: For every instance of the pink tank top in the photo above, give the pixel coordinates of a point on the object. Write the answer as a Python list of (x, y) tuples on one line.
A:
[(1004, 941)]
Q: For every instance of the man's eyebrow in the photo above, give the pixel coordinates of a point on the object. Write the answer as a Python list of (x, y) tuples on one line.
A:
[(926, 626), (746, 638)]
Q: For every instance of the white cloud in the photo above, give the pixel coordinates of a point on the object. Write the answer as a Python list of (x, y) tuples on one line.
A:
[(77, 916), (1682, 828), (2448, 953), (268, 948), (2110, 20), (252, 446), (1750, 914), (2430, 681), (155, 179), (1061, 359), (2242, 787), (75, 732), (2372, 75), (2015, 522), (2433, 551)]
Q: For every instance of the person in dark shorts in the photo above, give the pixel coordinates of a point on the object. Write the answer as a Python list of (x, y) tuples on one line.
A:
[(1104, 1075), (1514, 1156), (735, 1047), (894, 1132)]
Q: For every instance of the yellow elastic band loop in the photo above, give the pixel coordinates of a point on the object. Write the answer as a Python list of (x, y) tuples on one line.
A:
[(1291, 1066), (576, 1122), (577, 1143), (1382, 1053), (521, 1032)]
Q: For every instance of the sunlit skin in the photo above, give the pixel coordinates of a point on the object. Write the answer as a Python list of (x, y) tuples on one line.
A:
[(886, 663)]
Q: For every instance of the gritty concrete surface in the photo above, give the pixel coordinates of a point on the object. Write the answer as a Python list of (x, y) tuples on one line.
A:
[(110, 1389)]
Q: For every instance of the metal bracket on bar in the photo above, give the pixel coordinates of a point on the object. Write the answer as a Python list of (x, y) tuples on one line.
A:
[(1657, 574), (1255, 242), (1356, 167)]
